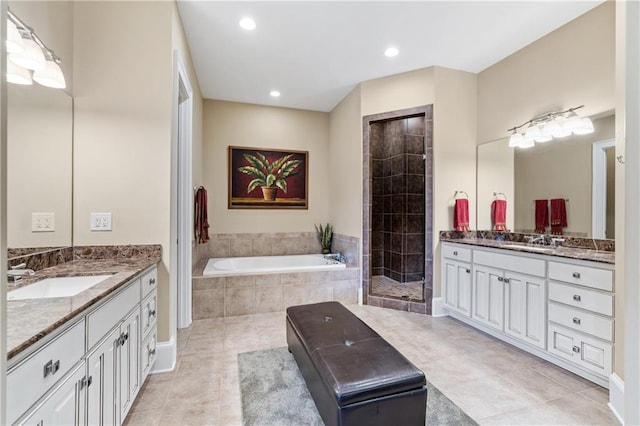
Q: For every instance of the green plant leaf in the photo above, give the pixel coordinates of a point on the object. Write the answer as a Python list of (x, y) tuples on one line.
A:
[(253, 161), (270, 180), (275, 166), (252, 171), (282, 184), (254, 184), (288, 169), (264, 162)]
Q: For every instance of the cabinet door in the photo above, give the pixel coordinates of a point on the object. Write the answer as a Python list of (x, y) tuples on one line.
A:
[(525, 308), (129, 362), (488, 296), (101, 376), (457, 286), (64, 405)]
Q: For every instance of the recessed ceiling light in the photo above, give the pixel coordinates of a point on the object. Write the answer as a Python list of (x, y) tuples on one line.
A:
[(391, 52), (248, 24), (274, 93)]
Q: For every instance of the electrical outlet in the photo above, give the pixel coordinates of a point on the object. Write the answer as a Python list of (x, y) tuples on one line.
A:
[(100, 222), (43, 222)]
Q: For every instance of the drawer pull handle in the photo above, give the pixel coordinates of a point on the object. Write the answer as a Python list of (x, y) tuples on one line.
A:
[(152, 281), (507, 280), (51, 367), (152, 352), (576, 320), (152, 313), (468, 271), (86, 382), (576, 275), (500, 279), (455, 253), (576, 349), (577, 297)]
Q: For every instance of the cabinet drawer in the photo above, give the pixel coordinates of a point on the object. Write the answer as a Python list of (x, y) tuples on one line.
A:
[(149, 315), (582, 298), (148, 355), (149, 282), (524, 265), (103, 319), (601, 279), (29, 380), (583, 321), (456, 252), (584, 351)]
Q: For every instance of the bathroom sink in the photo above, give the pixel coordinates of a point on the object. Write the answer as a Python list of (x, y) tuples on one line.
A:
[(530, 248), (56, 287)]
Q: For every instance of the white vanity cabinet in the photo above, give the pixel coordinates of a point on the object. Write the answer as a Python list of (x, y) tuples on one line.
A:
[(456, 269), (558, 308), (581, 314), (91, 372)]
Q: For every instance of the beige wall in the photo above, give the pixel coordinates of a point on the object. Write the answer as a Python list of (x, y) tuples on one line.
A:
[(122, 147), (561, 168), (399, 91), (238, 124), (345, 160), (571, 66), (495, 174)]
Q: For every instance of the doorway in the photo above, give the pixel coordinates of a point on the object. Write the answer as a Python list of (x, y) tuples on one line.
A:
[(397, 210)]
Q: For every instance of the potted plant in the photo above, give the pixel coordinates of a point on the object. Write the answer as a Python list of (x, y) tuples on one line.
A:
[(325, 236), (269, 176)]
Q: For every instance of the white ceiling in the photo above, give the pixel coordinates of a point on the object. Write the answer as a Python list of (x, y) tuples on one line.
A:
[(315, 53)]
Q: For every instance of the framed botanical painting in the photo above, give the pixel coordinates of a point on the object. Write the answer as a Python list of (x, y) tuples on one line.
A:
[(268, 178)]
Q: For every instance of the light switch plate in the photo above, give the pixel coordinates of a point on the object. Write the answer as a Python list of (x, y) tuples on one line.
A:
[(100, 222), (43, 222)]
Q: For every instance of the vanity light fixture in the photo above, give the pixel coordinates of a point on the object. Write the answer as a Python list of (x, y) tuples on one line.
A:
[(34, 56), (274, 94), (14, 39), (545, 127)]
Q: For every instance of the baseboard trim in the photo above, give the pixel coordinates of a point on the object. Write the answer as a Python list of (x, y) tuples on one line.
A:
[(616, 397), (166, 355), (437, 307)]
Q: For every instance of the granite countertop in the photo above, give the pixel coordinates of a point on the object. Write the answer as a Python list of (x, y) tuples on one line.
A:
[(568, 252), (30, 321)]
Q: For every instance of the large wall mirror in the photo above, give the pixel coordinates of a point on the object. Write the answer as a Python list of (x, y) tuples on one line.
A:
[(580, 169), (40, 141)]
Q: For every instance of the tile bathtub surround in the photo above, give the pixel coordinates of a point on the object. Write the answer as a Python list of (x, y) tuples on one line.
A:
[(490, 381), (277, 244), (217, 297)]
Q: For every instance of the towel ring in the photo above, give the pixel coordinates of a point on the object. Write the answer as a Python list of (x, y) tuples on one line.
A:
[(460, 192), (498, 194)]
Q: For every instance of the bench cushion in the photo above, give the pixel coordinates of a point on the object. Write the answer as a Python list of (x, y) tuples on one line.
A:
[(353, 361)]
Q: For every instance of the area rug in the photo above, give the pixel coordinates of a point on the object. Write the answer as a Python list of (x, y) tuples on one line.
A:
[(273, 392)]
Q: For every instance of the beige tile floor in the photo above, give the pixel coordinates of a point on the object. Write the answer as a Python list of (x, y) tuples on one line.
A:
[(491, 381)]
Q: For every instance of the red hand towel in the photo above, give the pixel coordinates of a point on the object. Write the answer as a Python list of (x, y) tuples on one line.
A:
[(499, 215), (542, 216), (461, 215), (558, 216), (201, 223)]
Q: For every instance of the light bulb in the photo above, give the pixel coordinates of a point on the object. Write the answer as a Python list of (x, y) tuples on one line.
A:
[(532, 133), (585, 127), (561, 130), (516, 139)]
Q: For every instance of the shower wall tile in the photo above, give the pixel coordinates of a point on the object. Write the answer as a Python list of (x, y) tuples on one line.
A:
[(414, 145), (415, 184), (415, 204), (415, 126), (415, 164)]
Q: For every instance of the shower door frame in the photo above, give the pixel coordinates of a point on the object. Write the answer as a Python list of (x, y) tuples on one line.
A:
[(424, 307)]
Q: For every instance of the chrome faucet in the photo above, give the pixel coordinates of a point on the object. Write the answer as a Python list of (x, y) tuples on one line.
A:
[(536, 239), (337, 256), (555, 241), (18, 271)]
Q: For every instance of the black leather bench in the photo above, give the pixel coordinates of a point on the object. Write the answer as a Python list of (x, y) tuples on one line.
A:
[(354, 375)]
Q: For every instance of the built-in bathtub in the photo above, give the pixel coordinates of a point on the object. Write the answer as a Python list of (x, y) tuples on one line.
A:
[(228, 266), (234, 286)]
